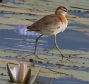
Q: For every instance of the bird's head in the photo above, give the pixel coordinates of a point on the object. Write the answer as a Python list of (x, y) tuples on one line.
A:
[(61, 9)]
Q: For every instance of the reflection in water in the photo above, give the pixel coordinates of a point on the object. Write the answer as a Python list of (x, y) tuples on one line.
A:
[(29, 38), (21, 39), (86, 33), (23, 31)]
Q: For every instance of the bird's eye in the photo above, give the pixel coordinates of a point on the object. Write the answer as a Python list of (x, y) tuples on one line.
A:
[(64, 10)]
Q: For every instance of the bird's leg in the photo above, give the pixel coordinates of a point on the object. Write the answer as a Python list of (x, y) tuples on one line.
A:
[(35, 51), (58, 47)]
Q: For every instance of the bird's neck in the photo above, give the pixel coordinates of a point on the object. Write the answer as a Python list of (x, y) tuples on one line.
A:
[(62, 17)]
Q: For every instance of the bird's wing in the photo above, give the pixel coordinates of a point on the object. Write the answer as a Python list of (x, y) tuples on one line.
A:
[(49, 21)]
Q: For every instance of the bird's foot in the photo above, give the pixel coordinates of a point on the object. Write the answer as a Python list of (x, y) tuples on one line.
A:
[(62, 57), (36, 56), (65, 57)]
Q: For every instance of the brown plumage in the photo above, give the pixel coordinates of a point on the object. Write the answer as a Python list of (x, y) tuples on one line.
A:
[(51, 25), (46, 24)]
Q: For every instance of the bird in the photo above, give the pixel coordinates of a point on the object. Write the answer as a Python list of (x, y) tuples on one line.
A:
[(50, 25)]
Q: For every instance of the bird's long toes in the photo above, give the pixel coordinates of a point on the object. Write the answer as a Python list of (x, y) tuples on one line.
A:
[(36, 56), (66, 58)]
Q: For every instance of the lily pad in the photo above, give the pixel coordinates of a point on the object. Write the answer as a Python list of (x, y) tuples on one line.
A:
[(7, 27), (14, 21)]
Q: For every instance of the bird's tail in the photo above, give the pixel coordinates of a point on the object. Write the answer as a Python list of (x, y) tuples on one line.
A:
[(28, 28)]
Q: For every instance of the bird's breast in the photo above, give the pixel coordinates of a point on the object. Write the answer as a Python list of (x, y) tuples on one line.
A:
[(63, 19)]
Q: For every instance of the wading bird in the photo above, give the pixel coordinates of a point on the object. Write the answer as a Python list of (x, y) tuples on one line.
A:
[(50, 25)]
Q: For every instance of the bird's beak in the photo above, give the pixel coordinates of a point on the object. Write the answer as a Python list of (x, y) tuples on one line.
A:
[(69, 12)]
